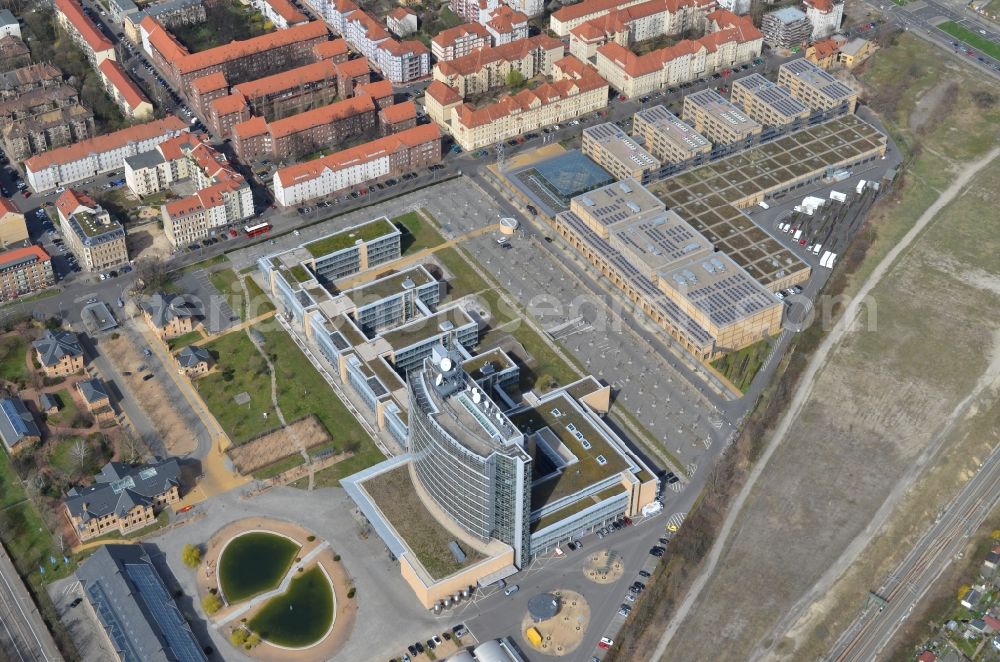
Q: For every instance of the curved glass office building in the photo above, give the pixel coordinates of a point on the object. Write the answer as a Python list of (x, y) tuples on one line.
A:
[(468, 456)]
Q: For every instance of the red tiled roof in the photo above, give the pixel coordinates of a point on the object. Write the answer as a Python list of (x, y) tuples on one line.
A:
[(515, 50), (401, 48), (330, 49), (443, 94), (409, 138), (94, 37), (826, 48), (323, 115), (380, 89), (825, 6), (588, 7), (310, 73), (927, 656), (287, 11), (17, 254), (184, 206), (126, 88), (104, 143), (351, 68), (210, 83), (164, 42), (248, 47), (70, 201), (255, 126), (503, 22), (7, 207), (372, 28), (400, 13), (448, 37), (400, 112), (229, 104)]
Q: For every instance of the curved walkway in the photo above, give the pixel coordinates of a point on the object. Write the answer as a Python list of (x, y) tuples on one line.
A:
[(844, 325)]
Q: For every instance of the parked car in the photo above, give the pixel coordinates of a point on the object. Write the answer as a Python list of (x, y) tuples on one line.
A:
[(511, 590)]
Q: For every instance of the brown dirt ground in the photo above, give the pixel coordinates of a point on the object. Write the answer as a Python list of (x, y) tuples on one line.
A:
[(278, 445), (880, 401), (150, 395), (561, 634)]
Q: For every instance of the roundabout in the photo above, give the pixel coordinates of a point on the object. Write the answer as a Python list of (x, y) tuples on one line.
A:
[(284, 592)]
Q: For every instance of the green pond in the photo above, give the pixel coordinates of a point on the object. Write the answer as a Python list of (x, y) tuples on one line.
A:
[(301, 615), (254, 563)]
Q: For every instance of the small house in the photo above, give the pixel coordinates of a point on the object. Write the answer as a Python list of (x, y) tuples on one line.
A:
[(971, 598), (194, 361), (59, 353), (48, 403), (95, 394)]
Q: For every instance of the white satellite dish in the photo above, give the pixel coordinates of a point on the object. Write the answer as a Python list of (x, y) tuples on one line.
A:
[(476, 397), (499, 416), (445, 364), (440, 378)]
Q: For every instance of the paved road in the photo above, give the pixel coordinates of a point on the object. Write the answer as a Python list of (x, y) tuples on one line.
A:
[(906, 586), (23, 635)]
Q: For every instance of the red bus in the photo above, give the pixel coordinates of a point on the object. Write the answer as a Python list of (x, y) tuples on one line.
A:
[(257, 230)]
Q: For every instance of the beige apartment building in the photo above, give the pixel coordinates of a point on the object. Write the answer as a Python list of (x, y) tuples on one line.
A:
[(576, 90), (718, 120), (23, 271), (612, 149), (487, 68), (768, 103), (13, 229), (97, 240), (815, 87), (668, 138)]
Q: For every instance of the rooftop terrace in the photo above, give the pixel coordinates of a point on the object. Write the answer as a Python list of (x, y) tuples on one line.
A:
[(350, 236)]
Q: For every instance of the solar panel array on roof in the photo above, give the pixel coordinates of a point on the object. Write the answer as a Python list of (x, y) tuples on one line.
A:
[(165, 613)]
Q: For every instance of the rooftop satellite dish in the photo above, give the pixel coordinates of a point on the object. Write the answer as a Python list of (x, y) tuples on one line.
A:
[(476, 397), (439, 379), (499, 416), (445, 364)]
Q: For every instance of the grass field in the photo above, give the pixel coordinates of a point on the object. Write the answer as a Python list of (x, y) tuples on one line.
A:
[(226, 21), (741, 367), (418, 234), (13, 350), (300, 390), (183, 340), (68, 410), (972, 39), (228, 284)]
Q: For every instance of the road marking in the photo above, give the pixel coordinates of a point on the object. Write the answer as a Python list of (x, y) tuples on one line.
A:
[(675, 522)]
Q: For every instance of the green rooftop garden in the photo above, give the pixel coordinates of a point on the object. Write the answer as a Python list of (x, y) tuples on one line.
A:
[(393, 492), (349, 237)]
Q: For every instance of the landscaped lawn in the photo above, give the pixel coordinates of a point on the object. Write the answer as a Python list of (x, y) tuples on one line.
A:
[(68, 412), (13, 350), (418, 234), (972, 39), (741, 367), (392, 492), (301, 391), (226, 21), (183, 340), (228, 284)]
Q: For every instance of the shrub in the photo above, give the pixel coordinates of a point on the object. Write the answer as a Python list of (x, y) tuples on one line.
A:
[(336, 557), (350, 594), (211, 603), (191, 555), (238, 637), (311, 538)]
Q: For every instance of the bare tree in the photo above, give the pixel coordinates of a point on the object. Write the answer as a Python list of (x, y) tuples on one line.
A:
[(153, 273), (80, 452), (132, 447)]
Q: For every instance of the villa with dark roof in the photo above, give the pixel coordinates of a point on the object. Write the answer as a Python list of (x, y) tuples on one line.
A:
[(17, 426), (194, 361), (135, 608), (123, 498), (59, 353), (170, 315), (95, 395)]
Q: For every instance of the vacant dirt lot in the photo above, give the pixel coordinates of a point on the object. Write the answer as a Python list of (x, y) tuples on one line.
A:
[(888, 395), (278, 445), (150, 394)]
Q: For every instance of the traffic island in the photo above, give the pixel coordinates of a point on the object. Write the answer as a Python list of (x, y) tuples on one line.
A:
[(561, 633), (604, 567)]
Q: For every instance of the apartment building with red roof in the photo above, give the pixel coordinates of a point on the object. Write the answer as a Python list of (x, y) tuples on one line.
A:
[(401, 22), (239, 61), (396, 118), (506, 25), (335, 50), (86, 35), (23, 271), (825, 16), (386, 157), (295, 136), (350, 74), (88, 158), (731, 41), (124, 92), (380, 91), (487, 68), (459, 41), (399, 62), (639, 22), (282, 13), (575, 89)]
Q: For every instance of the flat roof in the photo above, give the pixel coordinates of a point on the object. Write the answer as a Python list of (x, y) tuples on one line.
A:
[(659, 240), (724, 112), (772, 94), (616, 202), (709, 197), (426, 327), (818, 78), (566, 420), (571, 173), (348, 237), (387, 286), (496, 356), (620, 146), (674, 129), (722, 290)]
